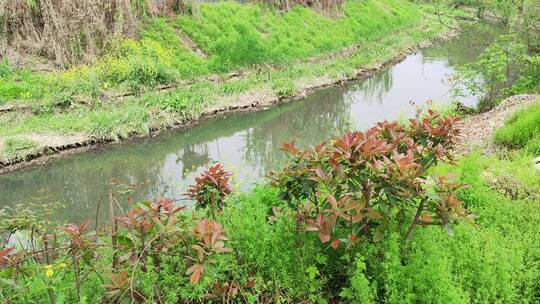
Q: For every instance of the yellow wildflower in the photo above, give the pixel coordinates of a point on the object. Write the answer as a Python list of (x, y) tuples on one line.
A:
[(49, 271), (62, 265)]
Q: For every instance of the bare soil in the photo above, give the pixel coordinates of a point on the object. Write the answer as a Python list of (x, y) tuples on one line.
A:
[(477, 130)]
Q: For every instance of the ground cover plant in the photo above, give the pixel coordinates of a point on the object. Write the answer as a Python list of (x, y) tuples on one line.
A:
[(522, 130), (303, 239)]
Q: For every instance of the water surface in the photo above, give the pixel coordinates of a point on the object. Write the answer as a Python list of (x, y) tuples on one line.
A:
[(247, 144)]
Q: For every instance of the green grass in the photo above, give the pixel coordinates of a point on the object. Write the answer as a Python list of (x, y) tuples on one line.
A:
[(521, 130), (238, 35), (232, 35), (119, 119), (494, 260), (17, 148)]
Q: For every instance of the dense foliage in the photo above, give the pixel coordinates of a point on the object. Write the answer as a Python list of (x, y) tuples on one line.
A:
[(259, 247), (510, 65), (350, 189), (505, 67)]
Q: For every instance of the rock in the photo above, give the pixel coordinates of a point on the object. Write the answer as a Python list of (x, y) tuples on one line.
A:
[(424, 44), (536, 160), (537, 166)]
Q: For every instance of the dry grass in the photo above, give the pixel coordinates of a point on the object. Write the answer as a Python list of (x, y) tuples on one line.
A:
[(71, 31)]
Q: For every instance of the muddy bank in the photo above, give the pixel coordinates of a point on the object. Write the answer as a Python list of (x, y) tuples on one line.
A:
[(253, 100)]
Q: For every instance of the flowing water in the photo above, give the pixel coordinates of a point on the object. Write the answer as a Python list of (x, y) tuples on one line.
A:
[(247, 144)]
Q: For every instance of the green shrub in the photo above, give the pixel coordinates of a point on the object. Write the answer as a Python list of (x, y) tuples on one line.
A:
[(145, 72), (522, 127), (533, 146), (269, 248), (360, 289)]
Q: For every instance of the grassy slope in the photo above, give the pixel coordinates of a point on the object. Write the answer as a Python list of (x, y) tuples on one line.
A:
[(233, 35), (522, 130), (71, 101)]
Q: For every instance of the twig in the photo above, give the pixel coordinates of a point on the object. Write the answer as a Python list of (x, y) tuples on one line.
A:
[(112, 221)]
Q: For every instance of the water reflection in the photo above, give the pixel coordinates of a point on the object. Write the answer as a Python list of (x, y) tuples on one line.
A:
[(246, 143)]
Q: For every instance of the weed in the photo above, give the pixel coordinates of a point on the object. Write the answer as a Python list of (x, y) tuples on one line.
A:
[(521, 128), (18, 148), (109, 125), (283, 86), (5, 68)]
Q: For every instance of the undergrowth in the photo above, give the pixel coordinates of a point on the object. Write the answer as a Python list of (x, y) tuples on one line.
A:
[(522, 130), (496, 259)]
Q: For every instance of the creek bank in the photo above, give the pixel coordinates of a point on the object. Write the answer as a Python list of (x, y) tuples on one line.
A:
[(477, 130), (54, 146)]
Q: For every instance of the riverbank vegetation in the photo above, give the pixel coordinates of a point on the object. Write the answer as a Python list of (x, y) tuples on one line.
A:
[(278, 57), (511, 64), (320, 231), (390, 214), (522, 130)]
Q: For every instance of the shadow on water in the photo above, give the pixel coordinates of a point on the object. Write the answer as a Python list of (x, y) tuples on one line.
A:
[(248, 144)]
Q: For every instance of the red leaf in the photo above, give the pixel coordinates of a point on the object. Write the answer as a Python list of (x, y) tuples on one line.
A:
[(335, 244), (324, 237), (196, 275)]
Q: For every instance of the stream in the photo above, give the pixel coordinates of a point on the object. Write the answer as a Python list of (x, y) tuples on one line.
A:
[(246, 143)]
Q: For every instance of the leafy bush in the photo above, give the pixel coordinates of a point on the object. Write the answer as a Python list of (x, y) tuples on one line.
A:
[(521, 128), (350, 189), (498, 72), (145, 72), (149, 231), (211, 187)]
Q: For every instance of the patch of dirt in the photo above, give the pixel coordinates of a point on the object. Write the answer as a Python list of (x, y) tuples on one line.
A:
[(477, 130), (48, 144), (512, 188), (187, 42)]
